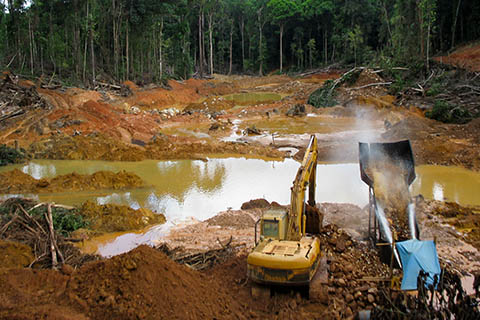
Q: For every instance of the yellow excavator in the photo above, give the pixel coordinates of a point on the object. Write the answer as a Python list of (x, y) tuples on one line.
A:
[(288, 251)]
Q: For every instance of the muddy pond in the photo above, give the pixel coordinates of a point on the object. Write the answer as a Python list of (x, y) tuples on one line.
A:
[(187, 190)]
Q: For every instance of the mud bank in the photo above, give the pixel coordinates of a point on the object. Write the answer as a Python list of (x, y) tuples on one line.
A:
[(16, 181)]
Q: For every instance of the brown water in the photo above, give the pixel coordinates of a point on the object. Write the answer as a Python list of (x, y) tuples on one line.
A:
[(444, 183), (250, 98), (189, 189), (192, 188)]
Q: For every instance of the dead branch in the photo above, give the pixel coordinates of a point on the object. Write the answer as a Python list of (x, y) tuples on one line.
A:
[(108, 85), (199, 260), (224, 246), (31, 219), (53, 205), (5, 227), (371, 85), (53, 252)]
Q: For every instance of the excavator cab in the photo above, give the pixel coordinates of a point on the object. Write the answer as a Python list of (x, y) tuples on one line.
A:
[(273, 224)]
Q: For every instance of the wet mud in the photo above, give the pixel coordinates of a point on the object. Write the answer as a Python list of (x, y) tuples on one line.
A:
[(16, 181)]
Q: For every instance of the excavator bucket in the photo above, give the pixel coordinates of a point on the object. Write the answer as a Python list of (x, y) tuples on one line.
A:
[(399, 153)]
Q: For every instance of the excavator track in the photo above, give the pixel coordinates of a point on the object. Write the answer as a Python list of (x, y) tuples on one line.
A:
[(318, 287)]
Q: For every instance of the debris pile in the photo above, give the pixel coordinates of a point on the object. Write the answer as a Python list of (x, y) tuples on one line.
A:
[(24, 222), (199, 260), (448, 301), (15, 100), (465, 219)]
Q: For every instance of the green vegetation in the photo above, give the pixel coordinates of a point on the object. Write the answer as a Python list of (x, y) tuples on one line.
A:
[(445, 112), (323, 97), (65, 221), (150, 40), (10, 155)]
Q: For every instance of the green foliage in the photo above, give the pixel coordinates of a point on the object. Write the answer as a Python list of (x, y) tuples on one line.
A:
[(435, 89), (323, 97), (10, 155), (445, 112), (41, 37), (64, 221)]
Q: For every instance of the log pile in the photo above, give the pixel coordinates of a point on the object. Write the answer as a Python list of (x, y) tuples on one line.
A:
[(15, 100), (51, 249), (199, 260), (458, 89)]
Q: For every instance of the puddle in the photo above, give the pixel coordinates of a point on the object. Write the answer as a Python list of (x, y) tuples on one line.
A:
[(112, 244), (250, 98), (445, 183), (190, 189)]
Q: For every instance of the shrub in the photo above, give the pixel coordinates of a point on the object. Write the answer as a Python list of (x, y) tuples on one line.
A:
[(445, 112), (10, 155), (64, 221)]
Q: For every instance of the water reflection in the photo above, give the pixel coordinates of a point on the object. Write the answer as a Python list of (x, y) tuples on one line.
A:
[(39, 171), (186, 188), (444, 183)]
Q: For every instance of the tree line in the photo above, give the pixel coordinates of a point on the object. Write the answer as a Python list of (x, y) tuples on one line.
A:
[(150, 40)]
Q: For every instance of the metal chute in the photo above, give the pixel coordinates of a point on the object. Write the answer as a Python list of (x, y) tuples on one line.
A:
[(399, 154)]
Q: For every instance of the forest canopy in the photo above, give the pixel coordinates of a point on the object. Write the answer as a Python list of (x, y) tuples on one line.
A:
[(150, 40)]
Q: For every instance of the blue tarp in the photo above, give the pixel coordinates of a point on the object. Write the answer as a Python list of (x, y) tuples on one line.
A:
[(418, 255)]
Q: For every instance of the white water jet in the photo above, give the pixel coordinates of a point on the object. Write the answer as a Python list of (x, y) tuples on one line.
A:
[(384, 225), (385, 230), (411, 220)]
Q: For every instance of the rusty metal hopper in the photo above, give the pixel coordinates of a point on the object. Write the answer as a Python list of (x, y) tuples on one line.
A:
[(399, 153)]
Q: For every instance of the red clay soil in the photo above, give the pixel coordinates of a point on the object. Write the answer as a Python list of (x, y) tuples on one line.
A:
[(467, 57), (141, 284)]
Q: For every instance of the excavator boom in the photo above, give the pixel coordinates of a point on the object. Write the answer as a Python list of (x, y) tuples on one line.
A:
[(306, 176)]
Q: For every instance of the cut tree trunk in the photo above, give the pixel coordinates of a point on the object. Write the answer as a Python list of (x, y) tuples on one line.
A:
[(281, 47)]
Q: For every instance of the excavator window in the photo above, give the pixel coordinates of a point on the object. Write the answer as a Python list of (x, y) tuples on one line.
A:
[(270, 228)]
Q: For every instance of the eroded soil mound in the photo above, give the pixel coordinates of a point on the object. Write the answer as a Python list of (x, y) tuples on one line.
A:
[(163, 147), (15, 254), (16, 181), (93, 147), (141, 284), (467, 57), (438, 143), (465, 219), (113, 217)]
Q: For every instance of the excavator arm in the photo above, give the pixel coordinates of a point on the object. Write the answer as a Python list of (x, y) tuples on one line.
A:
[(306, 176)]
